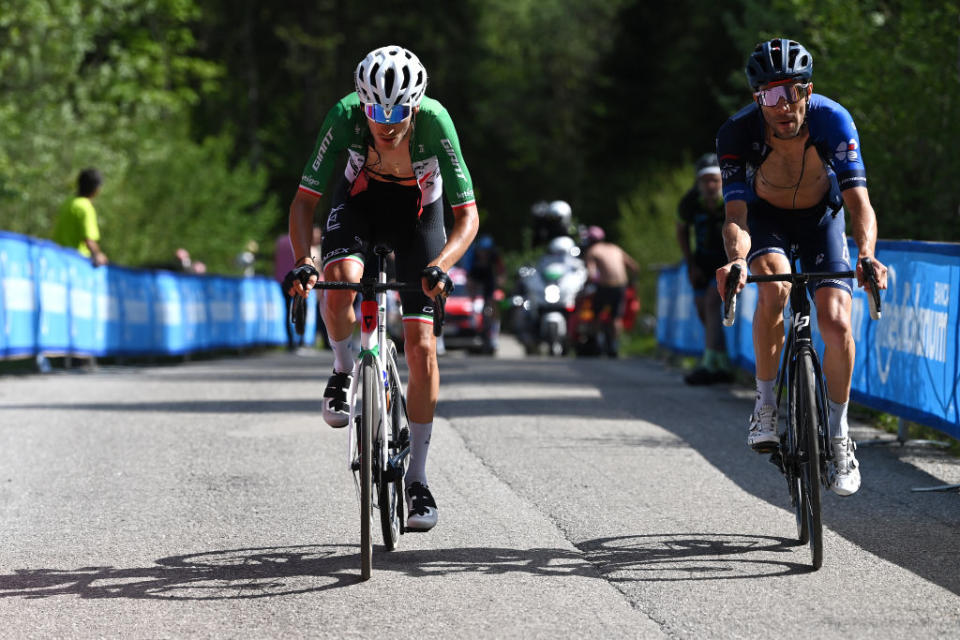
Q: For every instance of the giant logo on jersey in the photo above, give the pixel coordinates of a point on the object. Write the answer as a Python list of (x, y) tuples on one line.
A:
[(327, 139), (847, 151)]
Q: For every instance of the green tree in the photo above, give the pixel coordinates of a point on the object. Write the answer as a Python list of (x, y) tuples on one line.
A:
[(110, 83), (894, 65)]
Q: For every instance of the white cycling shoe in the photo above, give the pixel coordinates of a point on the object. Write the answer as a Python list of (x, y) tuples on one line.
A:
[(843, 471), (336, 412), (762, 436), (421, 507)]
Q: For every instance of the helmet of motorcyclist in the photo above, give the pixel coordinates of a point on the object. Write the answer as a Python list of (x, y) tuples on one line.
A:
[(560, 211), (540, 208), (561, 246), (391, 77), (778, 59)]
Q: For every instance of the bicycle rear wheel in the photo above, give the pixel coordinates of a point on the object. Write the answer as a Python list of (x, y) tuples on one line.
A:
[(808, 433), (393, 441), (369, 377)]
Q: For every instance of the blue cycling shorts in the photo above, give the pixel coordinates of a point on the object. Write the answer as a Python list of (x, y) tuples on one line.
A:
[(818, 234)]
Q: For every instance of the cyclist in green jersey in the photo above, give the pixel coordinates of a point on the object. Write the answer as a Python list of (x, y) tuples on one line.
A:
[(403, 157)]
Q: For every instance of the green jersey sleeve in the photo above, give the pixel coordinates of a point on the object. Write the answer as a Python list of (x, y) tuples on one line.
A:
[(457, 185), (334, 137)]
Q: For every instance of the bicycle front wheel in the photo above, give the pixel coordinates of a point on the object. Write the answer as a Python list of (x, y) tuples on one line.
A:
[(395, 442), (808, 435), (370, 378)]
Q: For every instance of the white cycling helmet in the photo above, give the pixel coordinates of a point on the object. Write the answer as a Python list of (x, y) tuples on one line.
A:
[(561, 246), (560, 210), (391, 76)]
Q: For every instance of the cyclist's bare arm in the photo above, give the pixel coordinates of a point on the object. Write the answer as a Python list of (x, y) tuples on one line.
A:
[(301, 235), (736, 241), (863, 222), (466, 221)]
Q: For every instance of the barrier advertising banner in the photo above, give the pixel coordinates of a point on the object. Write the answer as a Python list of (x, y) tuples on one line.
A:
[(906, 362)]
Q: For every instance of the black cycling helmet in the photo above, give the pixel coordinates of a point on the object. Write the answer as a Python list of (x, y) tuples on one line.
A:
[(778, 59)]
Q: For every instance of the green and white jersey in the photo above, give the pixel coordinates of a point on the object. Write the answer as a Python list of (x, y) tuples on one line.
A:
[(434, 152)]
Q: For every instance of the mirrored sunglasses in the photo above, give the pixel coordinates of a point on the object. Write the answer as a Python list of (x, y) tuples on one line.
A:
[(790, 92), (382, 116)]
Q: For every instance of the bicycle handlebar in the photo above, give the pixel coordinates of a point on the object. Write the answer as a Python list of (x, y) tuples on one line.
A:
[(730, 296), (298, 308)]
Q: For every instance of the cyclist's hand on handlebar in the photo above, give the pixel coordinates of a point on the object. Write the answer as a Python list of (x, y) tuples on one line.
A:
[(436, 282), (300, 280), (878, 268), (724, 271)]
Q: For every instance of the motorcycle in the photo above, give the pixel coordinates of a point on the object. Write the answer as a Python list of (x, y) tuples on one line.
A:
[(544, 301)]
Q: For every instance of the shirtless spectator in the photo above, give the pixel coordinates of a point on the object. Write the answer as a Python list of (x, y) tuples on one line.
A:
[(609, 269)]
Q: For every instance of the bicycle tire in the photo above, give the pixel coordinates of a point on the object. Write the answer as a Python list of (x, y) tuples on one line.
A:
[(809, 434), (369, 376), (390, 489), (790, 454)]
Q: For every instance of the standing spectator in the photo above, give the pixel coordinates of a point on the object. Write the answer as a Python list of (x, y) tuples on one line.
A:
[(702, 208), (76, 224)]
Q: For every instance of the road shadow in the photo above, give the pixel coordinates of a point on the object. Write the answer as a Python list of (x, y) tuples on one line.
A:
[(919, 532), (239, 574)]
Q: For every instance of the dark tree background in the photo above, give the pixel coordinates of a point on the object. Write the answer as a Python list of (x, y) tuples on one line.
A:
[(202, 112)]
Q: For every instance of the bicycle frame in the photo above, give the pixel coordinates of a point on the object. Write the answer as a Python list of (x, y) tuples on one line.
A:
[(799, 339)]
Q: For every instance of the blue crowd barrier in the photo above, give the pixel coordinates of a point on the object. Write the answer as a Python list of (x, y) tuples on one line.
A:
[(54, 302), (906, 362)]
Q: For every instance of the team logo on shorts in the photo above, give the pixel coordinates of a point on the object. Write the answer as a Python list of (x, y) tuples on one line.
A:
[(333, 220)]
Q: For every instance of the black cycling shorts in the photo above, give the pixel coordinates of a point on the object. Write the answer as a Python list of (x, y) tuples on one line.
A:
[(386, 213), (609, 298), (817, 232)]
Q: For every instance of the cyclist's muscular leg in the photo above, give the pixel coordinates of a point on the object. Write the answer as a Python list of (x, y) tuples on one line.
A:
[(423, 387), (768, 333), (833, 320), (338, 314)]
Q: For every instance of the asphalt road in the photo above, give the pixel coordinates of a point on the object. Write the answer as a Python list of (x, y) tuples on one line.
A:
[(578, 498)]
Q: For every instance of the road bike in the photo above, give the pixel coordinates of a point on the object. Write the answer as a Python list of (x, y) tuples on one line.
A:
[(804, 449), (379, 436)]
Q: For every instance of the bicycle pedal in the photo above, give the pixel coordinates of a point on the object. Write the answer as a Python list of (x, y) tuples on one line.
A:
[(766, 447)]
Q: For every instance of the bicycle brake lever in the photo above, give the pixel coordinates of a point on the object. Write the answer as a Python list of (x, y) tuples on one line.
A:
[(873, 293), (730, 299)]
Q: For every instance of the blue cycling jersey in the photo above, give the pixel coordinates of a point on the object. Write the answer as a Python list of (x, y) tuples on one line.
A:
[(741, 148)]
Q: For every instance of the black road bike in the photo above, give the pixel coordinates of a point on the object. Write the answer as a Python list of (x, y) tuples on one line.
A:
[(804, 449)]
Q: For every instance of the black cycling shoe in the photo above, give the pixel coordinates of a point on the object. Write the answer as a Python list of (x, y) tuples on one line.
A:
[(336, 412), (699, 376), (723, 375), (421, 507)]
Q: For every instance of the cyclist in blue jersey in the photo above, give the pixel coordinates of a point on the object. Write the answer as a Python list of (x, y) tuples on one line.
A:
[(791, 163), (403, 157)]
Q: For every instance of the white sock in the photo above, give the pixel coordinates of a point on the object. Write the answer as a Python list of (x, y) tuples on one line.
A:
[(342, 354), (838, 419), (765, 394), (419, 444)]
